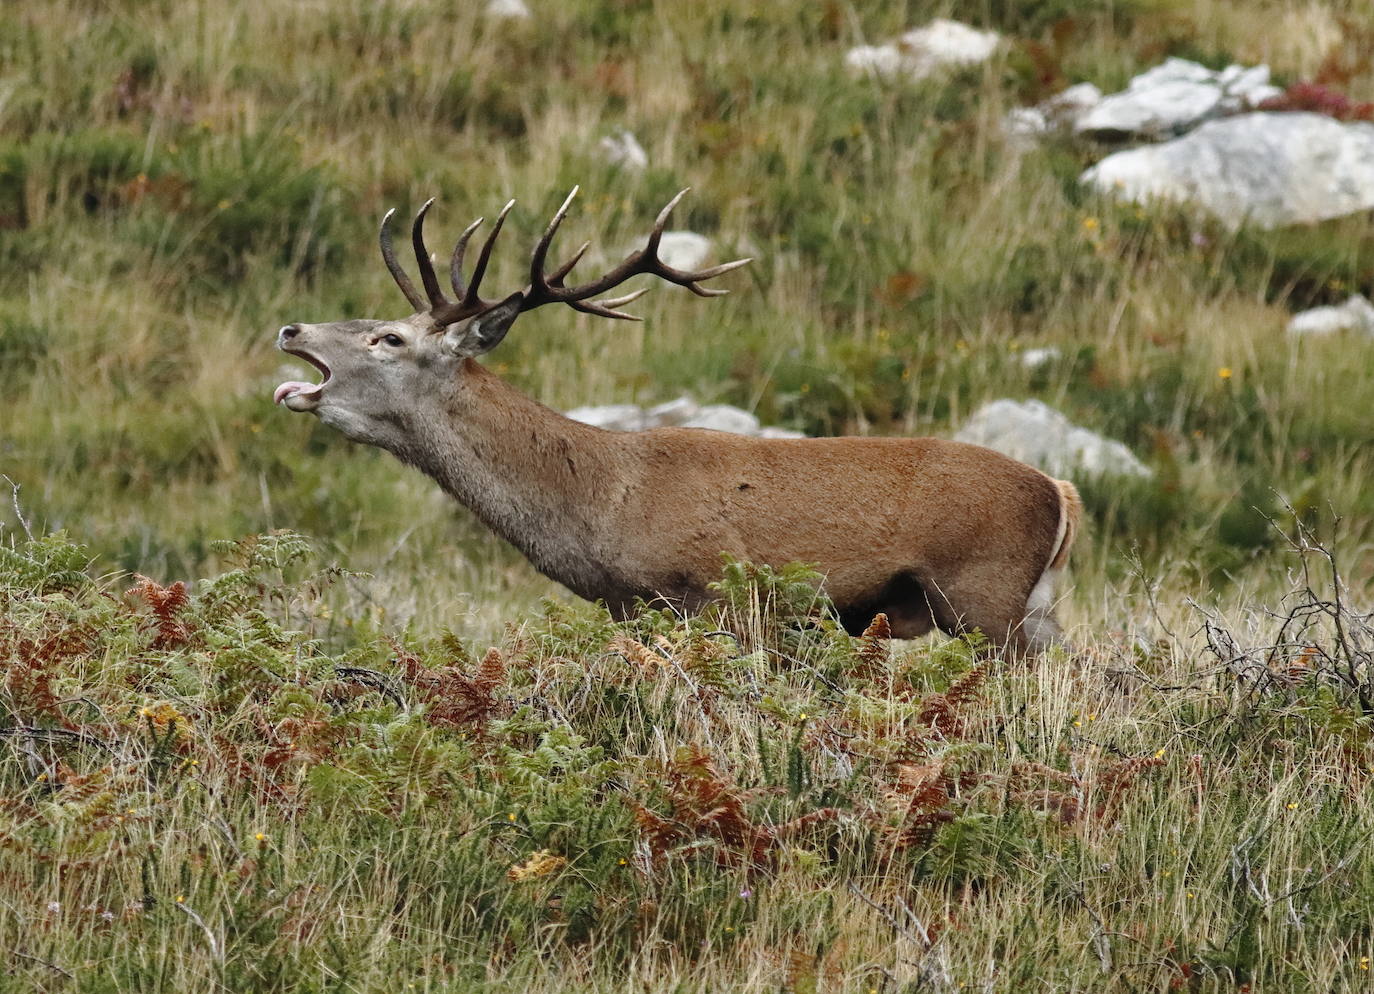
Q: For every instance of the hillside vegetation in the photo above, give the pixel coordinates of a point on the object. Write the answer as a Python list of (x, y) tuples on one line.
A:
[(307, 772)]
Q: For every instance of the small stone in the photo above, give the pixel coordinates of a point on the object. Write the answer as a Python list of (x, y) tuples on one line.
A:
[(924, 51), (883, 61), (622, 149), (1355, 315), (1060, 112), (508, 9), (1035, 358)]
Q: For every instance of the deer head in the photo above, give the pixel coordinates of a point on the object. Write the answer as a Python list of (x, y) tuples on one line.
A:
[(381, 378)]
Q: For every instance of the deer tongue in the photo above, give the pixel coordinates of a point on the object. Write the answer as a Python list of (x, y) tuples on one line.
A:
[(293, 387)]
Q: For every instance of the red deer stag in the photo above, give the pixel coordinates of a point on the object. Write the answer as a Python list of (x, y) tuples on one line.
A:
[(931, 532)]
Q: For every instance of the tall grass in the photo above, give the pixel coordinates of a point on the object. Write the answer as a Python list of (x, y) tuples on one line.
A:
[(179, 179), (221, 787)]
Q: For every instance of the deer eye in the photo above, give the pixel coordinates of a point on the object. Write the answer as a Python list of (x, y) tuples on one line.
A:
[(395, 341)]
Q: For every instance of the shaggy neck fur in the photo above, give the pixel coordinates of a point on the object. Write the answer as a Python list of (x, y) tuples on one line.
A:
[(484, 442)]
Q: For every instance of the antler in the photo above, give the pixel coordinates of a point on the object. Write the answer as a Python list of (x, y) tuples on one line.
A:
[(441, 309), (544, 288), (549, 288)]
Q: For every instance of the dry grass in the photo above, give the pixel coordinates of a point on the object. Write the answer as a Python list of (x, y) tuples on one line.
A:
[(179, 179)]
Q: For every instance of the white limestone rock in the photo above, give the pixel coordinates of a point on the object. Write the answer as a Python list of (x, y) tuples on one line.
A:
[(684, 412), (925, 51), (621, 148), (1036, 433), (616, 417), (673, 412), (684, 249), (1268, 169), (1175, 96), (1060, 112), (508, 10), (1355, 315), (723, 417), (883, 61), (1035, 358)]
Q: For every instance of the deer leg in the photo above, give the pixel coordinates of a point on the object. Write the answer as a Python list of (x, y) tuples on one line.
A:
[(1040, 627), (987, 598)]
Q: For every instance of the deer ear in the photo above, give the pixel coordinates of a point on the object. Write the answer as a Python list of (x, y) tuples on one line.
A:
[(484, 332)]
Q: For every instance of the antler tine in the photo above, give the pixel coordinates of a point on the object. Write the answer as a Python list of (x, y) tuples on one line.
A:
[(721, 270), (397, 273), (661, 222), (471, 299), (622, 301), (691, 280), (455, 266), (556, 277), (610, 308), (422, 259), (537, 258), (591, 307), (704, 291)]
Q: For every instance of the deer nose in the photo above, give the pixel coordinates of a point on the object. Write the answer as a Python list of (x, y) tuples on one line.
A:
[(287, 333)]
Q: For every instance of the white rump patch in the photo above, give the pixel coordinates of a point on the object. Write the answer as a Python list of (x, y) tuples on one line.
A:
[(1041, 599)]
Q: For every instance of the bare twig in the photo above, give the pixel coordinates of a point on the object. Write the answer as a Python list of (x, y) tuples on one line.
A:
[(922, 940), (55, 735), (42, 962), (209, 934), (18, 512), (940, 972), (376, 681)]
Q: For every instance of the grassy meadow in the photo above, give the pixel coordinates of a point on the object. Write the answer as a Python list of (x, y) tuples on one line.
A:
[(278, 716)]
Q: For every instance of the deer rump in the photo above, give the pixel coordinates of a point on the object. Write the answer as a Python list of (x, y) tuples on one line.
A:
[(930, 532)]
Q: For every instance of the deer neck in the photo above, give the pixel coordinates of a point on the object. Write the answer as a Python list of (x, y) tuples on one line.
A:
[(539, 480)]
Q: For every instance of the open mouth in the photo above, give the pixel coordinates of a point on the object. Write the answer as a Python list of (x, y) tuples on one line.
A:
[(293, 389)]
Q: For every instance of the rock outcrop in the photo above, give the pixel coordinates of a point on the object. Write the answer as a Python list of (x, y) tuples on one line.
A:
[(1036, 433), (1268, 169), (1355, 315), (683, 412)]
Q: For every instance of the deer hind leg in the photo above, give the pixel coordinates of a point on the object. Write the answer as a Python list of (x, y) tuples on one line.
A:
[(1040, 629), (986, 597)]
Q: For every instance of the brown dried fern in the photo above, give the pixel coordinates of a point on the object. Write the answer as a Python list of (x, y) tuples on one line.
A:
[(707, 806), (942, 712), (166, 604), (452, 698), (637, 654), (1116, 777), (873, 647), (917, 802)]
